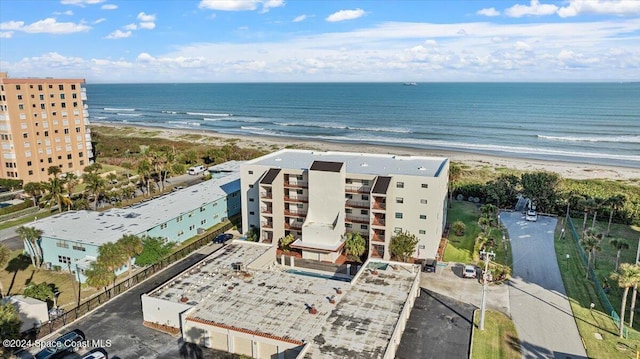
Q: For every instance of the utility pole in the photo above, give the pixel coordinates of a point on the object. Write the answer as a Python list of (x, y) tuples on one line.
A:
[(487, 258)]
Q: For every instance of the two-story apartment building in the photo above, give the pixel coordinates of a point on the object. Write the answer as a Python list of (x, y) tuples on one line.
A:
[(70, 240), (43, 123), (319, 196)]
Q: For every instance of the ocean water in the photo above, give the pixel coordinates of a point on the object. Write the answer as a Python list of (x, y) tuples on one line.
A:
[(596, 123)]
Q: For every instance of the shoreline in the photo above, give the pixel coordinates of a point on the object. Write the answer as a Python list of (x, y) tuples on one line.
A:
[(571, 170)]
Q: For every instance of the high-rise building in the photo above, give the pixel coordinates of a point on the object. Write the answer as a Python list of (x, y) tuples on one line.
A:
[(318, 197), (43, 123)]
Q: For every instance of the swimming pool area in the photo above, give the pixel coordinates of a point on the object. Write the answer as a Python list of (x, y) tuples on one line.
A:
[(4, 204), (318, 275)]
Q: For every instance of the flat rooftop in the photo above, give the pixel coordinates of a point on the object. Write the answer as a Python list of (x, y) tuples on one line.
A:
[(274, 302), (98, 228), (363, 163)]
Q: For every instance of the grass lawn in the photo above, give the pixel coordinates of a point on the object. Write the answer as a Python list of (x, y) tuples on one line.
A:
[(582, 293), (26, 219), (18, 274), (498, 340)]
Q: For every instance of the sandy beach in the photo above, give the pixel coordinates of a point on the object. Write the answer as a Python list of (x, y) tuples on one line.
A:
[(565, 169)]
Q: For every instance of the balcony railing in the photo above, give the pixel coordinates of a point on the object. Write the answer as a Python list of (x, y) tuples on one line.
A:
[(295, 213), (265, 210), (356, 204), (296, 184), (297, 199), (379, 205), (377, 238), (266, 225), (361, 220), (357, 189), (295, 225), (378, 222), (265, 195)]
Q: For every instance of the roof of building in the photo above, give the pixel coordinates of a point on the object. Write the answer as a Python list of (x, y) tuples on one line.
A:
[(15, 299), (270, 176), (382, 184), (327, 166), (275, 302), (363, 163), (97, 228)]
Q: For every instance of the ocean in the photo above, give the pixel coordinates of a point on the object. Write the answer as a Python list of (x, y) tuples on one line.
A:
[(596, 123)]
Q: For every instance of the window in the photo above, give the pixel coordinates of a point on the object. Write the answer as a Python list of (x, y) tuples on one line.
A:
[(81, 162), (399, 184), (299, 177), (64, 259), (251, 200), (50, 160), (19, 97), (399, 200), (80, 154), (21, 107), (42, 106), (39, 87), (46, 133), (364, 226), (349, 181), (423, 216), (62, 244), (423, 201), (397, 230), (422, 231), (252, 213), (179, 219), (202, 209), (348, 210), (77, 247), (348, 225), (62, 96), (299, 191), (364, 212), (61, 87), (299, 205), (30, 172), (29, 163), (25, 135), (250, 172), (180, 233), (73, 87), (365, 182), (250, 186), (163, 226), (68, 156), (399, 215), (17, 87), (69, 165), (203, 221), (63, 105), (192, 227), (365, 197), (425, 185)]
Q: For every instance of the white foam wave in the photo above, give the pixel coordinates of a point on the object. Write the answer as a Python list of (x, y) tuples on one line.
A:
[(250, 128), (624, 138), (100, 117), (312, 125), (170, 112), (193, 124), (380, 129), (209, 114), (118, 109), (344, 127), (129, 114), (212, 119)]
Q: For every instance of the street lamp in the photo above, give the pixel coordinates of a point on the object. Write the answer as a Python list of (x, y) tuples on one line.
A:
[(487, 259)]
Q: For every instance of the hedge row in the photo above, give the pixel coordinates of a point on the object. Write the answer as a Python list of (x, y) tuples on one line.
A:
[(16, 207)]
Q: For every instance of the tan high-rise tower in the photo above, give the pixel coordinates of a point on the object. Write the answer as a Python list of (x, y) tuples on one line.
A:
[(43, 124)]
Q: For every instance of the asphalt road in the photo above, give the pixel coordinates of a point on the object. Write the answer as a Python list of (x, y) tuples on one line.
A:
[(120, 321), (539, 305), (438, 327)]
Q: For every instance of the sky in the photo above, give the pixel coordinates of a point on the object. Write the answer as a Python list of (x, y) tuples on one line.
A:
[(160, 41)]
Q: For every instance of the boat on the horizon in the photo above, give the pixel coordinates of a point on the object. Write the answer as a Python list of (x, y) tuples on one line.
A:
[(410, 83)]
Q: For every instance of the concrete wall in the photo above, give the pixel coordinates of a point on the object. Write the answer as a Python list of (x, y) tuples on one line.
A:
[(266, 259), (326, 207), (160, 311), (250, 195), (33, 312)]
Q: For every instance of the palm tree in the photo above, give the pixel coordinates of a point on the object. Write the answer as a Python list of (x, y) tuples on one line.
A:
[(628, 275), (591, 243), (99, 276), (131, 246), (633, 304), (455, 171), (34, 189), (53, 171), (5, 254), (354, 246), (95, 186), (144, 171), (619, 244), (588, 204), (31, 237), (55, 192), (71, 181), (598, 204), (615, 203), (112, 257)]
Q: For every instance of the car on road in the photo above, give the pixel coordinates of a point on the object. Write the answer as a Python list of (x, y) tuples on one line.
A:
[(97, 353), (531, 216), (430, 265), (62, 346), (469, 271), (221, 238)]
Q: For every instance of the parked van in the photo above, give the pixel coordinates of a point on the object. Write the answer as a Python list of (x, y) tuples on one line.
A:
[(195, 170)]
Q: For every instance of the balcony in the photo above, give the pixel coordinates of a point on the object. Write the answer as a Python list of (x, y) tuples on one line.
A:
[(265, 195), (357, 189), (378, 238), (378, 222), (297, 199), (266, 225), (293, 225), (356, 204), (350, 219), (295, 213), (266, 210), (296, 184), (379, 206)]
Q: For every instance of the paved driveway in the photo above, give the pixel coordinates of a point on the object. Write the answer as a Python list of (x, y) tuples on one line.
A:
[(539, 305)]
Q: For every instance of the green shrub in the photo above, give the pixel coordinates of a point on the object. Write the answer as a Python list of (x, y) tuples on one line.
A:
[(16, 207)]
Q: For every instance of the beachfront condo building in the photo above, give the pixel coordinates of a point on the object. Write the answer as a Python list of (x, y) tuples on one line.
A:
[(43, 123), (318, 197)]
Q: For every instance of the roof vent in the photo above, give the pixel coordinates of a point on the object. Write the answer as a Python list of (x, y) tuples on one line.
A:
[(364, 164), (278, 159), (422, 168)]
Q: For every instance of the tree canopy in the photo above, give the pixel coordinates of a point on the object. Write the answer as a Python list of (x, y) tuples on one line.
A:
[(403, 245), (153, 250), (41, 291), (9, 322), (355, 246)]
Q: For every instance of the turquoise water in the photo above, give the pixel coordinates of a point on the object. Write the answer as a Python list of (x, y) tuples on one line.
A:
[(575, 122), (2, 205), (318, 275)]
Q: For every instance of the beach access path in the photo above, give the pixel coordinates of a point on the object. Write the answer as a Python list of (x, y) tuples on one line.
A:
[(539, 305)]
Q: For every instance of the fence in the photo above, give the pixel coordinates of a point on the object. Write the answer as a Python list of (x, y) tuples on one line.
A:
[(604, 299), (92, 303)]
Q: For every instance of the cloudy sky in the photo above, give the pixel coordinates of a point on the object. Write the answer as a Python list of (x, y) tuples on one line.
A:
[(313, 40)]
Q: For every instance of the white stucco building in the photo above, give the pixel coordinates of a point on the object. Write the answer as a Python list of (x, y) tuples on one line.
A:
[(319, 196)]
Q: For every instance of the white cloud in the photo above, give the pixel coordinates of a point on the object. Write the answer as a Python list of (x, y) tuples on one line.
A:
[(119, 34), (68, 13), (99, 21), (130, 27), (146, 17), (147, 25), (602, 7), (300, 18), (6, 34), (48, 26), (81, 3), (145, 57), (240, 5), (521, 46), (109, 7), (343, 15), (535, 8), (488, 12), (432, 43)]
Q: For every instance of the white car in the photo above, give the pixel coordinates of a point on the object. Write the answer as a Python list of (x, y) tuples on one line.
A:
[(531, 216), (469, 271)]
